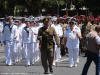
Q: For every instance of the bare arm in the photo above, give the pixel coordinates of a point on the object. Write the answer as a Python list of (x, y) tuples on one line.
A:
[(79, 36)]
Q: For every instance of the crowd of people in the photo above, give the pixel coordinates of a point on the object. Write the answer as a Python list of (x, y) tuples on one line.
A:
[(48, 37)]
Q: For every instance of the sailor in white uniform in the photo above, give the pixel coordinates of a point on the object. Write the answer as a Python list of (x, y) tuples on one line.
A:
[(33, 53), (8, 39), (1, 32), (71, 41), (59, 32), (19, 40), (36, 42), (27, 39)]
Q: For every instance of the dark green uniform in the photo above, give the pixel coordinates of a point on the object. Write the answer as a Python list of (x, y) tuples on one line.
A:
[(46, 37)]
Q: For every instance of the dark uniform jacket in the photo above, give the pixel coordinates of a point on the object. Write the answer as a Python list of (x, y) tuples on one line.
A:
[(47, 36)]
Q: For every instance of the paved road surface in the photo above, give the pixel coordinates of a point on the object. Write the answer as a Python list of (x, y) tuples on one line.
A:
[(61, 68)]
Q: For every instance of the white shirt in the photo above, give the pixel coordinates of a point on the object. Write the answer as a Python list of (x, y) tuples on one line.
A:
[(40, 25), (27, 37), (23, 25), (72, 39), (58, 29), (19, 33), (35, 30), (9, 34)]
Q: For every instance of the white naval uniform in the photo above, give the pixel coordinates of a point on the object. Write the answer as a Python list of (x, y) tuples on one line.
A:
[(8, 38), (22, 51), (41, 25), (59, 31), (34, 58), (23, 25), (13, 46), (72, 44), (27, 40), (1, 33), (36, 43), (19, 43)]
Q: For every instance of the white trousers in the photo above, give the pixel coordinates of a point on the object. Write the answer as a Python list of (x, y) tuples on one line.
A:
[(73, 55), (14, 51), (27, 48), (1, 37), (19, 51), (32, 53), (57, 54), (8, 52), (36, 51)]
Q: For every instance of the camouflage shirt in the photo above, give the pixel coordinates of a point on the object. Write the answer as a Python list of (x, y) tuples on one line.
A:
[(47, 36)]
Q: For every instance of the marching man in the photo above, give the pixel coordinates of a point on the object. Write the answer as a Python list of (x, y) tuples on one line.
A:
[(27, 40), (9, 38)]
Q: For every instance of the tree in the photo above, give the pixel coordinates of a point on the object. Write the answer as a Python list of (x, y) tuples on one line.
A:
[(94, 6), (33, 6)]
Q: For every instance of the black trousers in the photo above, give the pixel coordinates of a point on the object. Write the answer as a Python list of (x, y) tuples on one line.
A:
[(90, 57)]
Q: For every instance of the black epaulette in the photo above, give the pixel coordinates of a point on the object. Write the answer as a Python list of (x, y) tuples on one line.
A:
[(25, 28)]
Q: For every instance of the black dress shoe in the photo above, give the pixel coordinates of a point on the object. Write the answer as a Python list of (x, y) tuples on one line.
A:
[(45, 72), (51, 71)]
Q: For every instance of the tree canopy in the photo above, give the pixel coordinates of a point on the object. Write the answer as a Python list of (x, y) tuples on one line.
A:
[(35, 7)]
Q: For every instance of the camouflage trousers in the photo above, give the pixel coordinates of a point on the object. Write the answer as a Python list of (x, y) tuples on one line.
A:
[(47, 57)]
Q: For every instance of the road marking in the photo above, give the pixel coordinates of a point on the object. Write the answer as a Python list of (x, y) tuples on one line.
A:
[(62, 60)]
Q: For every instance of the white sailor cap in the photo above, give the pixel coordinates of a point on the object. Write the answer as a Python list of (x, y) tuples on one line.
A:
[(36, 19), (33, 21), (2, 18), (27, 20), (54, 18), (71, 22), (10, 17), (19, 18)]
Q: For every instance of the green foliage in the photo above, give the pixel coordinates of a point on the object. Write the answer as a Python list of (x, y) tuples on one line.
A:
[(94, 6), (35, 7)]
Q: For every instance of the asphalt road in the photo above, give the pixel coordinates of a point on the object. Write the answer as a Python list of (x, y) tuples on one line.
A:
[(61, 68)]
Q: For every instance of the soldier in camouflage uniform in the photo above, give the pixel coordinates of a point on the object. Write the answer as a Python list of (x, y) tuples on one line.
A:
[(84, 33), (46, 37), (86, 28)]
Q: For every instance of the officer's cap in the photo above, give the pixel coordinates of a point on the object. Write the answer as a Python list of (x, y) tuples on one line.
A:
[(46, 19), (71, 22), (73, 19)]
